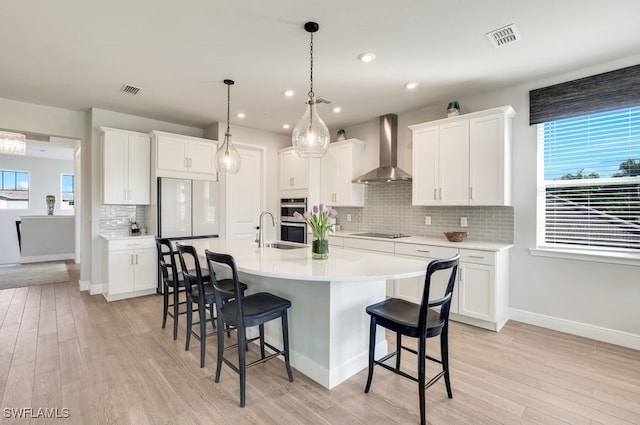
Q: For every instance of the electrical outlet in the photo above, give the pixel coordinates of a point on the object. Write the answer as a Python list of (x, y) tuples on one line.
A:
[(463, 221), (348, 217), (427, 220)]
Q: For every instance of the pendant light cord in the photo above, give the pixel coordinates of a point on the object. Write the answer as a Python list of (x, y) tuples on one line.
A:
[(228, 105), (311, 94)]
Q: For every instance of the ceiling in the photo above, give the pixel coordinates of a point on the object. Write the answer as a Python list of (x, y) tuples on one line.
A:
[(78, 54)]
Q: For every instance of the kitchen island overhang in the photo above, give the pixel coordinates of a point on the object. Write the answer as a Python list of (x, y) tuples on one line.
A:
[(328, 325)]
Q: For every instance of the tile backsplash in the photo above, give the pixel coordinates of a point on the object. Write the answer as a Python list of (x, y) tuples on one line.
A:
[(116, 218), (388, 209)]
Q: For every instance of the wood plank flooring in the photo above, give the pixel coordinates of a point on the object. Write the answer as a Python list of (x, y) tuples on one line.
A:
[(111, 363)]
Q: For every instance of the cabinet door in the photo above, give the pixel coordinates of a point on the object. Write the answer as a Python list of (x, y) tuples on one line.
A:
[(172, 153), (145, 267), (453, 162), (115, 167), (425, 166), (139, 181), (329, 170), (294, 171), (487, 161), (476, 291), (201, 157), (120, 272)]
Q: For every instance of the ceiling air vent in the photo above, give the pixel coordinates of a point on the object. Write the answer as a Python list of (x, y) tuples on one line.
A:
[(503, 36), (129, 89)]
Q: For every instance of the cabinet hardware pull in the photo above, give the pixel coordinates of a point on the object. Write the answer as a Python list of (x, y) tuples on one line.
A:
[(440, 191), (476, 256), (461, 274), (131, 259), (136, 258), (290, 181), (435, 194), (471, 193), (423, 250)]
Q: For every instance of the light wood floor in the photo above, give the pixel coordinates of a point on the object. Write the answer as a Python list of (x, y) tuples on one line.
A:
[(111, 363)]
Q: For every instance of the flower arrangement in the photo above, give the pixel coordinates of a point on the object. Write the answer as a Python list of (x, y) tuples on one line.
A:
[(319, 220)]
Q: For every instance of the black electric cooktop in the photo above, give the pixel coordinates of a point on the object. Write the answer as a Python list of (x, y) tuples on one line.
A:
[(382, 235)]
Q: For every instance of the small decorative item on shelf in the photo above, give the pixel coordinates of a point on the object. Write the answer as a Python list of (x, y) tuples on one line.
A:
[(453, 109), (319, 219), (51, 203), (342, 135)]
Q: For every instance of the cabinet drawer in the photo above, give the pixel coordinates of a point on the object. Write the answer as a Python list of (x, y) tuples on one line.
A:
[(336, 240), (369, 245), (478, 257), (131, 243), (427, 251)]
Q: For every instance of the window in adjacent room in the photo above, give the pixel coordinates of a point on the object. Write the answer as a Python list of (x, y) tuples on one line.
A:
[(66, 188), (14, 190), (589, 182)]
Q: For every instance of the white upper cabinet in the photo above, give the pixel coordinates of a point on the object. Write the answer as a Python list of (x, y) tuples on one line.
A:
[(126, 167), (338, 167), (179, 156), (294, 171), (463, 160)]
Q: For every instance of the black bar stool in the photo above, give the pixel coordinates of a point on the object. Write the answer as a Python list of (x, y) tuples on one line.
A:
[(416, 321), (244, 312), (172, 285)]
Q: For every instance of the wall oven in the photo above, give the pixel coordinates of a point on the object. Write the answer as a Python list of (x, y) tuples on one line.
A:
[(293, 229)]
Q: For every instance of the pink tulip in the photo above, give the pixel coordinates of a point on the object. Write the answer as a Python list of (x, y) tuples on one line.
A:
[(321, 207), (296, 214), (307, 214), (315, 209), (333, 213)]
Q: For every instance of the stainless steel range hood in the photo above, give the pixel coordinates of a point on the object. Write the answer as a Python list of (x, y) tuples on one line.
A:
[(388, 170)]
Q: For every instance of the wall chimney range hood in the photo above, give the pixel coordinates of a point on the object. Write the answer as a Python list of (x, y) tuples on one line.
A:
[(388, 170)]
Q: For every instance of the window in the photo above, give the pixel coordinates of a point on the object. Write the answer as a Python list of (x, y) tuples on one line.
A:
[(66, 189), (589, 182), (14, 190)]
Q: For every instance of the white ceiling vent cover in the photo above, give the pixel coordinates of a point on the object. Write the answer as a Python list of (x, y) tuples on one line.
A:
[(129, 89), (505, 35)]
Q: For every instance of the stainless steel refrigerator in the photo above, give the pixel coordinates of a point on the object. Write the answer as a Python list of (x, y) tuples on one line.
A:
[(187, 208)]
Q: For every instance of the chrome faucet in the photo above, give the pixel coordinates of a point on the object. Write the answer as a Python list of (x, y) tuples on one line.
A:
[(261, 229)]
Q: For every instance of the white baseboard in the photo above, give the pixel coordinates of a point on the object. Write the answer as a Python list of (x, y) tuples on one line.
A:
[(95, 289), (598, 333), (41, 258), (84, 285)]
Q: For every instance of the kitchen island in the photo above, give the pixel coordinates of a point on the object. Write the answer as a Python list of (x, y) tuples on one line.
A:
[(328, 325)]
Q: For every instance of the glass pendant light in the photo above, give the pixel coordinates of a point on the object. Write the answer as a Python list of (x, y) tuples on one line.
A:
[(227, 157), (310, 135)]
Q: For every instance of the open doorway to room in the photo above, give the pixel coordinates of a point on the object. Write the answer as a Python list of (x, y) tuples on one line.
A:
[(39, 201)]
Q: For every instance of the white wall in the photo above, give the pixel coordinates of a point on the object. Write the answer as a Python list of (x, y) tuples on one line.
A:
[(44, 179), (599, 300)]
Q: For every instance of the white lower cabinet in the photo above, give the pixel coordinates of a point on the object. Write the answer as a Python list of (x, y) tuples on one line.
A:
[(385, 247), (130, 268), (411, 289), (481, 292)]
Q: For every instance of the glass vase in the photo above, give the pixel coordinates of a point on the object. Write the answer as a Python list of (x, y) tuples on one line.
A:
[(320, 249)]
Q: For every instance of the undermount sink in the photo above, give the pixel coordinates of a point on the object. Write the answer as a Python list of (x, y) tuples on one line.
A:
[(283, 245)]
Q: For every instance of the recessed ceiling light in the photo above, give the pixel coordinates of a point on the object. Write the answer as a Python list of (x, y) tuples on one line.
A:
[(367, 57), (286, 126), (410, 86), (289, 93), (337, 109), (241, 115)]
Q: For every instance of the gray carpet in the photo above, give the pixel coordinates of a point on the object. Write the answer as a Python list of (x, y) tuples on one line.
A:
[(21, 275)]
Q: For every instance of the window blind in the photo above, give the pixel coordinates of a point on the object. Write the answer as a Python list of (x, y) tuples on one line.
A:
[(598, 93), (589, 181)]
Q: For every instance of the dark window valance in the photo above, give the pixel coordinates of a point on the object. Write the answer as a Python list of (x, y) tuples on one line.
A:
[(602, 92)]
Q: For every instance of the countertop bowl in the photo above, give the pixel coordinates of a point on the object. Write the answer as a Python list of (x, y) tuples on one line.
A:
[(455, 236)]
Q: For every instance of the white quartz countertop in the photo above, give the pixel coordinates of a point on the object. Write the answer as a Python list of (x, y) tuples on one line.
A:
[(297, 264), (435, 241), (111, 236)]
